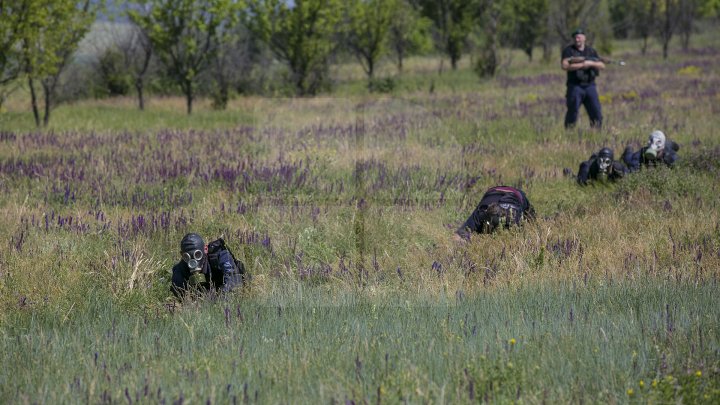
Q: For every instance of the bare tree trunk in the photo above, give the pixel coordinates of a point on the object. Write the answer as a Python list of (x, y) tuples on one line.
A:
[(189, 98), (139, 86), (33, 102), (667, 28), (47, 90)]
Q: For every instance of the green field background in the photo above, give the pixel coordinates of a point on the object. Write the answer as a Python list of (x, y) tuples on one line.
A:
[(343, 207)]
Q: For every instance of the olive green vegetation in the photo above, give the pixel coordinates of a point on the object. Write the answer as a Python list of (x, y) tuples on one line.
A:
[(343, 208), (568, 343)]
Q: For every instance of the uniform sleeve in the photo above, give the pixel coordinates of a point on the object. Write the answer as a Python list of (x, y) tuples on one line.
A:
[(179, 281), (670, 157), (632, 159), (474, 223), (618, 171), (583, 173), (566, 53)]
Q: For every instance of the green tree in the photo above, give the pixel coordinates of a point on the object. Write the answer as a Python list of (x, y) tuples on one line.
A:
[(12, 21), (12, 17), (524, 23), (367, 30), (185, 34), (453, 20), (488, 60), (670, 18), (409, 32), (689, 10), (52, 34), (232, 64), (302, 34), (620, 17), (138, 53), (644, 16)]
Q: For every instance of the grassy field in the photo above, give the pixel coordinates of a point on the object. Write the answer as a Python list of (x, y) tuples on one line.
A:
[(342, 207)]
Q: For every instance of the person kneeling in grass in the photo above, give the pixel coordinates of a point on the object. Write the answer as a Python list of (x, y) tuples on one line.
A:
[(658, 150), (205, 267), (601, 166), (500, 207)]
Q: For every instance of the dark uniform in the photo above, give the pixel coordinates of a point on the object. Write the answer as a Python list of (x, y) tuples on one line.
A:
[(601, 166), (635, 160), (212, 266), (500, 206), (581, 89)]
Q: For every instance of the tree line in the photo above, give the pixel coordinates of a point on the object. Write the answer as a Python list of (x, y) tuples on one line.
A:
[(217, 48)]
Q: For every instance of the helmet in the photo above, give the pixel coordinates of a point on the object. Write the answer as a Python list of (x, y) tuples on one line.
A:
[(606, 153), (192, 241), (192, 248)]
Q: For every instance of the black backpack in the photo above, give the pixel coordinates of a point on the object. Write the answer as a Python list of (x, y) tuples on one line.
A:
[(227, 271)]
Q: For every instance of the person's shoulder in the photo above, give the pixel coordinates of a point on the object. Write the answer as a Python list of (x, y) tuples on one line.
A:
[(178, 266), (568, 51), (591, 51)]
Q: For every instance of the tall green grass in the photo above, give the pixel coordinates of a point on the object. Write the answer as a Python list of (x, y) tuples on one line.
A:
[(567, 342)]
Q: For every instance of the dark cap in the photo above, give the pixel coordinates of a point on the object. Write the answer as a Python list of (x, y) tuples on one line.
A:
[(606, 152), (192, 241), (577, 31)]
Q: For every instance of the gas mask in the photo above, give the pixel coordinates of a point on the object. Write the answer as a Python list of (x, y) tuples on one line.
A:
[(192, 248), (193, 259), (501, 215), (656, 144), (604, 164), (604, 161)]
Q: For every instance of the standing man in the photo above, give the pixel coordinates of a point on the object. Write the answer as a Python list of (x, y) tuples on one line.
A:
[(583, 65)]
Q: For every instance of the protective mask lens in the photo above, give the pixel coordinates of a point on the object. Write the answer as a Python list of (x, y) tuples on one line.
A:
[(193, 259)]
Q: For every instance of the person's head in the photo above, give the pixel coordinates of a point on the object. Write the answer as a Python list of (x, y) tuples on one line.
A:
[(579, 38), (656, 144), (497, 216), (605, 158), (192, 251)]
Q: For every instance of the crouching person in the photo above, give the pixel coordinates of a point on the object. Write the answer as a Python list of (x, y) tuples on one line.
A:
[(500, 207), (205, 267), (659, 150), (601, 166)]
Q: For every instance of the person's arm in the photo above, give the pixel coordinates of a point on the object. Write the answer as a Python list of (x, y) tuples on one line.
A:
[(617, 170), (631, 159), (474, 223), (571, 67), (583, 173), (179, 281), (594, 64), (670, 157)]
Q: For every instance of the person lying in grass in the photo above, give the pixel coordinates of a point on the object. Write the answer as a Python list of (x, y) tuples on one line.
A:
[(601, 166), (205, 267), (658, 150), (500, 207)]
